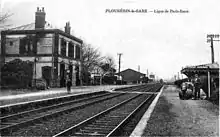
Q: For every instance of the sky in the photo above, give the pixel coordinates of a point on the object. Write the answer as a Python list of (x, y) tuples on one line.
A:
[(161, 43)]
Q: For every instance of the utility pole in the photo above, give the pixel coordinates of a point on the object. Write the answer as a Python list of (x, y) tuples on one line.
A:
[(138, 68), (210, 39), (119, 64), (174, 77), (212, 50)]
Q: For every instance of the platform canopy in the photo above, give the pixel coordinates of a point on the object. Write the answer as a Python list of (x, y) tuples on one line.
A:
[(203, 69)]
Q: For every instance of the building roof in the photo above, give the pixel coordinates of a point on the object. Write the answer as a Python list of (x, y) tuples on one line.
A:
[(132, 71), (131, 75), (213, 68), (210, 65), (31, 26)]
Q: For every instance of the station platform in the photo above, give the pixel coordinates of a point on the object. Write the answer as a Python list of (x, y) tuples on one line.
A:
[(170, 116), (17, 96)]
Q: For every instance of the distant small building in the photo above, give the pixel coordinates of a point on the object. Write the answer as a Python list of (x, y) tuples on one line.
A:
[(53, 52), (132, 77), (152, 77)]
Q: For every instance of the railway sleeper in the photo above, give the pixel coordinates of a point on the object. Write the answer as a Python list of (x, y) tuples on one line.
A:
[(93, 132), (10, 123), (109, 119), (84, 134), (115, 116), (98, 128), (105, 123)]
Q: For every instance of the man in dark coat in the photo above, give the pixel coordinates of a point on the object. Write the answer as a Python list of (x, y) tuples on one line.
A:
[(197, 84), (68, 85)]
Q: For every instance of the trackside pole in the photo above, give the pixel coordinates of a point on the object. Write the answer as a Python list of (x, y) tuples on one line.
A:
[(209, 85)]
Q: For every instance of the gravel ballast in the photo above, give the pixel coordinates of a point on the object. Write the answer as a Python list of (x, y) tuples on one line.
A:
[(55, 125)]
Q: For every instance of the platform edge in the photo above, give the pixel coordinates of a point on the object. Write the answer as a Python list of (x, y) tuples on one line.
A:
[(139, 129)]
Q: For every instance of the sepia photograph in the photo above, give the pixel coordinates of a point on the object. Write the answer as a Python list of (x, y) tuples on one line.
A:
[(126, 68)]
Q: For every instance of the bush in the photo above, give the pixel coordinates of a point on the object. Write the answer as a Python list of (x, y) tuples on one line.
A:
[(17, 73), (109, 79), (41, 84), (119, 82)]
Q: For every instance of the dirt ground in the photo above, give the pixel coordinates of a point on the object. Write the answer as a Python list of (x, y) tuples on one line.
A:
[(175, 117)]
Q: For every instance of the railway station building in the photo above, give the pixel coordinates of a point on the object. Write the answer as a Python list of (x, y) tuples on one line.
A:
[(131, 76), (52, 52)]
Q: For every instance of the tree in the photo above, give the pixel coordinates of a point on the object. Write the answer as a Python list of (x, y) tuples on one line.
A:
[(91, 58), (107, 67), (3, 19)]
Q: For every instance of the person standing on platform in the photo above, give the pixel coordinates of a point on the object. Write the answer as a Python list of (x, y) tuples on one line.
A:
[(68, 84), (184, 88), (197, 84)]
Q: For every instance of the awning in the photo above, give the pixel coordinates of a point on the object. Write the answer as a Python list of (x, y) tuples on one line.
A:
[(190, 71)]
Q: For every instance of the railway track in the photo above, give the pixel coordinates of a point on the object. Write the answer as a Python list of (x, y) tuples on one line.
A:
[(30, 105), (108, 122), (142, 88), (44, 107), (127, 109), (19, 120)]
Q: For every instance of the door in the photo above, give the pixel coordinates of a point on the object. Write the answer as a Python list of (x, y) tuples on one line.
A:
[(62, 76), (46, 74)]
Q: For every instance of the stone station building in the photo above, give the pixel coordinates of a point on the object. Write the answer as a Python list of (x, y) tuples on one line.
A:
[(53, 52)]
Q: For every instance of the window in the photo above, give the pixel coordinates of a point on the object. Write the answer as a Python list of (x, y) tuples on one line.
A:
[(71, 50), (11, 43), (63, 47), (27, 45), (77, 52)]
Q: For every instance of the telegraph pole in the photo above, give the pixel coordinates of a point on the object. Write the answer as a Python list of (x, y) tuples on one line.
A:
[(210, 39), (212, 50), (119, 64), (147, 72)]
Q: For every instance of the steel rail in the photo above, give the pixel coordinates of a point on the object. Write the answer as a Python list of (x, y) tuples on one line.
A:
[(2, 119), (129, 117), (81, 124), (37, 119)]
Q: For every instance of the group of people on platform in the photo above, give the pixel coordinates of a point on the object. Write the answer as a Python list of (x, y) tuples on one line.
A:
[(194, 86)]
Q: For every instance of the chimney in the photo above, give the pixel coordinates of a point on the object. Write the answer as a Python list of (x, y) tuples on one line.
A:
[(40, 18), (67, 28)]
